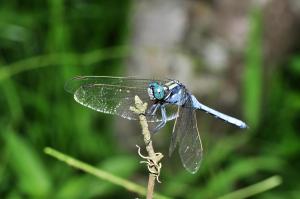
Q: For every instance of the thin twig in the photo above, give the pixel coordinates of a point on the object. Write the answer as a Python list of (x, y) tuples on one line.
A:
[(153, 158), (99, 173)]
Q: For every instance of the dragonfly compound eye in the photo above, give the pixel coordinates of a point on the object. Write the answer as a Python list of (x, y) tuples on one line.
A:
[(156, 91)]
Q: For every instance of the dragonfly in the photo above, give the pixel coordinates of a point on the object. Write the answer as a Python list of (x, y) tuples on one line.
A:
[(167, 100)]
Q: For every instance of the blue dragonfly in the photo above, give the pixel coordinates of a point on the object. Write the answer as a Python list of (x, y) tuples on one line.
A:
[(115, 95)]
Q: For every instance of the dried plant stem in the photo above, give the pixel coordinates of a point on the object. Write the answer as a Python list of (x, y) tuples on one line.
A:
[(150, 150), (153, 158), (150, 188)]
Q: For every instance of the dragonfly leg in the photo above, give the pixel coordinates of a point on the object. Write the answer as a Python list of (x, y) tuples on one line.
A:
[(153, 109), (163, 117)]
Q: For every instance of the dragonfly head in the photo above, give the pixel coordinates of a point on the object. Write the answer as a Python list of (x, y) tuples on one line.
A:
[(156, 91)]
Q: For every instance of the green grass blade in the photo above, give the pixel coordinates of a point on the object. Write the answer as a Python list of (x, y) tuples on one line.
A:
[(31, 173), (255, 189), (253, 70), (41, 61)]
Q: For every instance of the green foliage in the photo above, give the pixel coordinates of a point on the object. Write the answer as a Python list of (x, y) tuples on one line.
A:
[(32, 176), (42, 45), (253, 70), (122, 166), (295, 65)]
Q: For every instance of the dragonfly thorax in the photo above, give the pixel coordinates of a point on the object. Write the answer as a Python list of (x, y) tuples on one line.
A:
[(156, 91)]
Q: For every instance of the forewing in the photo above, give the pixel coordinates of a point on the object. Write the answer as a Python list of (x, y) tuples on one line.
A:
[(111, 95), (73, 84), (185, 133)]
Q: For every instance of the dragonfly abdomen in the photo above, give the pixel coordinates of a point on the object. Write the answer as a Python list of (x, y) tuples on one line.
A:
[(217, 114)]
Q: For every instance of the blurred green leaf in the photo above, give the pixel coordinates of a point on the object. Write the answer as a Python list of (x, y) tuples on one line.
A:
[(295, 64), (225, 179), (252, 91), (14, 195), (100, 173), (213, 157), (13, 99), (77, 187), (58, 33), (254, 189), (222, 149), (55, 59), (122, 166), (293, 101), (32, 176)]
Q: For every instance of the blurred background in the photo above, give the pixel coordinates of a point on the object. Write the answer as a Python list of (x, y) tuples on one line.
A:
[(240, 57)]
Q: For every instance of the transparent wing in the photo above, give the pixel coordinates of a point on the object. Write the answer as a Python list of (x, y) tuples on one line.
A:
[(73, 84), (186, 135), (112, 95)]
